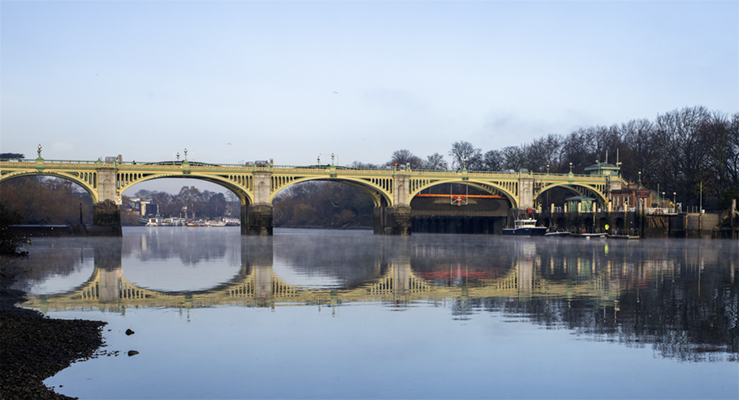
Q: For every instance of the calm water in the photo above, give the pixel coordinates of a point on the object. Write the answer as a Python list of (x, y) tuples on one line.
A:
[(333, 314)]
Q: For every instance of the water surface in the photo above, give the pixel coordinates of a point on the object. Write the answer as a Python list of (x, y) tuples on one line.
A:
[(336, 314)]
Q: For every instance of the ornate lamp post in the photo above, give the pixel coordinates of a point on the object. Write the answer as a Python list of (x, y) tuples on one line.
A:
[(570, 167)]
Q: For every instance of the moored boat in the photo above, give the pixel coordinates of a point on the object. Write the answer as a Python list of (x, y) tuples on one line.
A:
[(525, 227)]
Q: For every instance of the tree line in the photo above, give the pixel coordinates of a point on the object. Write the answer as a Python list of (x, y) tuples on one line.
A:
[(323, 204), (190, 203), (46, 200), (682, 151)]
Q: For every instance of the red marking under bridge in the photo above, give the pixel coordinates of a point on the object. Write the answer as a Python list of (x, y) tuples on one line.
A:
[(463, 196)]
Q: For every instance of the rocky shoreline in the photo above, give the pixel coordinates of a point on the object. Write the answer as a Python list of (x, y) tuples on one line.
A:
[(34, 347)]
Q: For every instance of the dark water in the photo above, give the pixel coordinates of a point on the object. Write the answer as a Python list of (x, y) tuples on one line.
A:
[(333, 314)]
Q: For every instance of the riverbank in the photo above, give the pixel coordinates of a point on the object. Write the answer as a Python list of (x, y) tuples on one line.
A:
[(34, 347)]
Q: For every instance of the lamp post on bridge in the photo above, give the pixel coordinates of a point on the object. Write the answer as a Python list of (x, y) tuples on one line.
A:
[(570, 168)]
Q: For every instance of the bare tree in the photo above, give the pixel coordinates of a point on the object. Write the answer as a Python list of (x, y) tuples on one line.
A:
[(513, 158), (464, 154), (544, 152), (435, 161), (406, 157), (493, 161)]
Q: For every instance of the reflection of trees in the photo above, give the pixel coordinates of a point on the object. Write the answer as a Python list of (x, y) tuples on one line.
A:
[(682, 301), (189, 249), (45, 261)]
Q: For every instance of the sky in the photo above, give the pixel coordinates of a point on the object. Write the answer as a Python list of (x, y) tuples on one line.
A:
[(238, 81)]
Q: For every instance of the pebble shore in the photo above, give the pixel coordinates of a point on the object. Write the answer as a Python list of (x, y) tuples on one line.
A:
[(34, 347)]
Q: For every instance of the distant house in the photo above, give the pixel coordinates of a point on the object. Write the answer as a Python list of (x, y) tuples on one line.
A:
[(144, 207)]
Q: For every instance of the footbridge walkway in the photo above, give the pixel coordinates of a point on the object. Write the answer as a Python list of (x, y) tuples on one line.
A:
[(391, 189)]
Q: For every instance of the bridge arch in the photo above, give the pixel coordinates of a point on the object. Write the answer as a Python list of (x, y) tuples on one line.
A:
[(378, 192), (125, 181), (86, 180), (509, 190), (577, 188)]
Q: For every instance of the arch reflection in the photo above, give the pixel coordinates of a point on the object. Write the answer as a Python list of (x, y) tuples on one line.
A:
[(680, 296)]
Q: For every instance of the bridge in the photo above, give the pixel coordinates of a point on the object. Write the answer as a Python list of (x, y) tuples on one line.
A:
[(392, 189)]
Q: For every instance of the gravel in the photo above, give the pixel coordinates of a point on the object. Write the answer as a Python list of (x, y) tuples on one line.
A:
[(34, 347)]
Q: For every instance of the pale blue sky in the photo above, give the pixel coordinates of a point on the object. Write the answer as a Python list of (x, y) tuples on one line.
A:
[(141, 79)]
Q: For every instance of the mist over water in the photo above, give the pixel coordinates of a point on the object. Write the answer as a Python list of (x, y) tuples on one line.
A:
[(347, 314)]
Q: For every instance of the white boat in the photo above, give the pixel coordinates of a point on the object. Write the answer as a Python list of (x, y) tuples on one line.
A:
[(525, 227)]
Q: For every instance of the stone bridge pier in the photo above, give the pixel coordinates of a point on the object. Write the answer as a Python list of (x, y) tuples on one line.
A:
[(256, 219), (106, 214), (395, 220)]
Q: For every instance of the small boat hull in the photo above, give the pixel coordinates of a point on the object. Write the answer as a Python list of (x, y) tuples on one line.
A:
[(528, 231), (594, 235), (558, 234)]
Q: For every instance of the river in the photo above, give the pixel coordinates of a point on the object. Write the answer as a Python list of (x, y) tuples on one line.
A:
[(347, 314)]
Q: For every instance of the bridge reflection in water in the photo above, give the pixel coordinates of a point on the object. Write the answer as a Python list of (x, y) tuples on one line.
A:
[(397, 271), (681, 296)]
